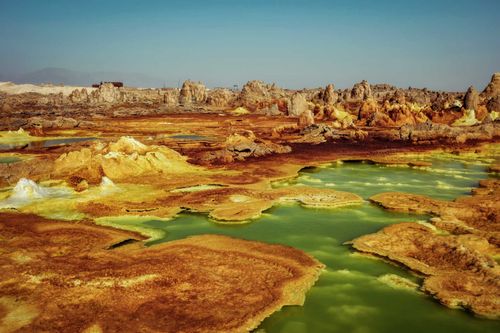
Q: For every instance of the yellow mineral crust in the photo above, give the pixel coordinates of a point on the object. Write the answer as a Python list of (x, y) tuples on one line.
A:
[(317, 197), (239, 111), (152, 181), (122, 160), (16, 137), (78, 271), (223, 203)]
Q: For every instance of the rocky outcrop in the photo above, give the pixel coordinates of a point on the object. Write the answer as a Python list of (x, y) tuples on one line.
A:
[(471, 99), (361, 91), (429, 132), (379, 119), (256, 89), (170, 96), (320, 133), (398, 97), (274, 109), (341, 119), (493, 88), (246, 144), (58, 122), (330, 97), (220, 97), (306, 118), (107, 93), (378, 105), (79, 96), (493, 104), (192, 93), (297, 105), (257, 95), (240, 146)]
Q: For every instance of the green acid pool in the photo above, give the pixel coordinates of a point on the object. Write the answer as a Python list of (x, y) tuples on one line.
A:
[(349, 296), (9, 159)]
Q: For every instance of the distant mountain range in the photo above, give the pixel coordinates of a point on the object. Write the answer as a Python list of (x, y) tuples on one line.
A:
[(75, 78)]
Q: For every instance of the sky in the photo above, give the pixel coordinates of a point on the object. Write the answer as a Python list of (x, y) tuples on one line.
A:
[(439, 44)]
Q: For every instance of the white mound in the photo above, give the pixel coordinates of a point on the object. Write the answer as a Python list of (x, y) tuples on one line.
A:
[(27, 189), (107, 185)]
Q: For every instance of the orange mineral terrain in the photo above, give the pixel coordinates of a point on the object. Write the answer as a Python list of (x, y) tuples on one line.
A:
[(76, 161), (79, 277)]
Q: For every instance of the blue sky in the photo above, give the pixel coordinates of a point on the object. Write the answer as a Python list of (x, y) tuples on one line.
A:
[(441, 44)]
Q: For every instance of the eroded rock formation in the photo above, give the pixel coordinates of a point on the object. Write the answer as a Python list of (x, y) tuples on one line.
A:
[(221, 97), (471, 99), (493, 88), (240, 146), (257, 95), (192, 93), (297, 105), (306, 118), (330, 97), (361, 91)]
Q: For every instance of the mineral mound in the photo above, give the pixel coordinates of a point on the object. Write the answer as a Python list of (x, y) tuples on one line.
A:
[(124, 159)]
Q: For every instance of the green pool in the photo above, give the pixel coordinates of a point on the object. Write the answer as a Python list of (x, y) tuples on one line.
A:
[(9, 159), (349, 297)]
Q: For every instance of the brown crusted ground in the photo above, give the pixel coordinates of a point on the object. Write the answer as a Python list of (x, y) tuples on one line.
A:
[(477, 214), (67, 277), (459, 271), (459, 266)]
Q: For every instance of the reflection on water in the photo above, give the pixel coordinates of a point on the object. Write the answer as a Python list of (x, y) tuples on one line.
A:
[(9, 159), (65, 141), (192, 137), (42, 143), (350, 297)]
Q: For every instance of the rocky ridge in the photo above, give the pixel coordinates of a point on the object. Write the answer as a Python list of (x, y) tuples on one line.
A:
[(404, 114)]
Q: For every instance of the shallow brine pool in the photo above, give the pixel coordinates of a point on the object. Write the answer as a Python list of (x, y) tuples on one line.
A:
[(192, 137), (41, 142), (352, 295), (9, 159)]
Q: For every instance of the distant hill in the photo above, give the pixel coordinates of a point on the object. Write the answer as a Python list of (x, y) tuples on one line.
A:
[(76, 78)]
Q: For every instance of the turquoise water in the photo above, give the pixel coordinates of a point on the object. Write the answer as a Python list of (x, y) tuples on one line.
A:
[(349, 297)]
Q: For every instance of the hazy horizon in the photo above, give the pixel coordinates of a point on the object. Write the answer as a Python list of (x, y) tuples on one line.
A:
[(442, 45)]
